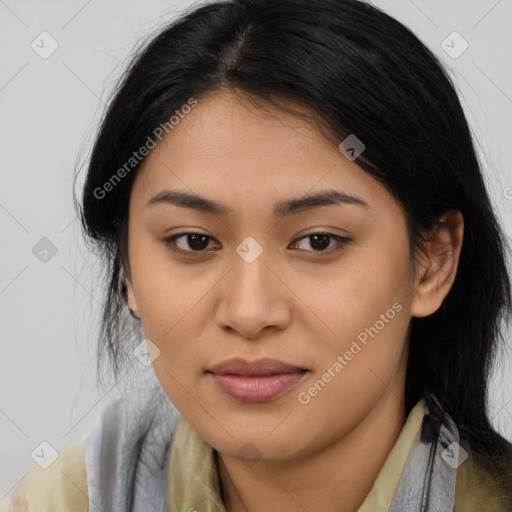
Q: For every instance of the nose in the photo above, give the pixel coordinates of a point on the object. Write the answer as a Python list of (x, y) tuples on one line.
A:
[(254, 299)]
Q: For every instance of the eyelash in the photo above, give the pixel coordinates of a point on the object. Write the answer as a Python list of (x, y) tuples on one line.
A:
[(170, 243)]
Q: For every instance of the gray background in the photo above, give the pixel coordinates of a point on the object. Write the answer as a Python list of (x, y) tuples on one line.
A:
[(50, 109)]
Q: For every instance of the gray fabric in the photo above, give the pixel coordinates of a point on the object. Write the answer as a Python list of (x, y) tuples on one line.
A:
[(127, 453), (427, 483), (127, 458)]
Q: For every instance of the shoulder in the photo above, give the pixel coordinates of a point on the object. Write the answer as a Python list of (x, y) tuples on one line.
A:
[(479, 487), (62, 486), (127, 454), (123, 460)]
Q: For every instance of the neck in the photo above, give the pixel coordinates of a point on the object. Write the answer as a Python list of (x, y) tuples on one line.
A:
[(338, 477)]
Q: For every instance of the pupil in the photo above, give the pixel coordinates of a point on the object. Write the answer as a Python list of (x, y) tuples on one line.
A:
[(197, 242), (322, 244)]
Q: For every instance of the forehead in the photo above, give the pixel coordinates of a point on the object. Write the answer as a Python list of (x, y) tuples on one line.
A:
[(227, 146)]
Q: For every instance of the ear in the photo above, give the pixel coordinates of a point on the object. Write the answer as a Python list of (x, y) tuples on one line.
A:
[(132, 302), (437, 269)]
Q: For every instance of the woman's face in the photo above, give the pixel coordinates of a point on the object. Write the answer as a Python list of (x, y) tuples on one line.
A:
[(257, 285)]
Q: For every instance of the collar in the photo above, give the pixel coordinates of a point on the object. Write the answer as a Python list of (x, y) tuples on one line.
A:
[(195, 485)]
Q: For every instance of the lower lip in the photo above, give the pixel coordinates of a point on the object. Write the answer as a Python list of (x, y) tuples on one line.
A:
[(257, 388)]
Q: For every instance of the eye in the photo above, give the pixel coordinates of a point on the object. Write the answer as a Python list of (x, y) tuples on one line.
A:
[(320, 241), (187, 243)]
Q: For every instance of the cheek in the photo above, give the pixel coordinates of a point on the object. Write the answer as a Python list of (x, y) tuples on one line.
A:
[(353, 295), (366, 306), (175, 314), (178, 331), (172, 301), (368, 311), (167, 292)]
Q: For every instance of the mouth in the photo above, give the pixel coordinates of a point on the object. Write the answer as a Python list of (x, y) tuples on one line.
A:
[(257, 381)]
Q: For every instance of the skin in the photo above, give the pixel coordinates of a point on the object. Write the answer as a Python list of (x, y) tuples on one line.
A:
[(295, 302)]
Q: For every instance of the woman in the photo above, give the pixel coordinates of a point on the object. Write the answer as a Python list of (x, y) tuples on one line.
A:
[(290, 207)]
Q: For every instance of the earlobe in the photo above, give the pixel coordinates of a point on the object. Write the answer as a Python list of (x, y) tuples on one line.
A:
[(438, 269)]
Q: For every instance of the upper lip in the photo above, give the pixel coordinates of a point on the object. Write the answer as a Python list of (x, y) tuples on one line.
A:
[(239, 366)]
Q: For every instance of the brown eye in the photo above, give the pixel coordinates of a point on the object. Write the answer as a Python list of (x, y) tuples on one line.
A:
[(188, 242), (192, 244), (319, 242)]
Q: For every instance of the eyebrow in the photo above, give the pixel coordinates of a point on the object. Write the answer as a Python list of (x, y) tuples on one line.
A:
[(281, 209)]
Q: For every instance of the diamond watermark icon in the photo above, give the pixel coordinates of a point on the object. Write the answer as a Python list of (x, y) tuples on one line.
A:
[(44, 455), (454, 45), (44, 45), (249, 454), (249, 250), (44, 250), (454, 455), (146, 352), (352, 147)]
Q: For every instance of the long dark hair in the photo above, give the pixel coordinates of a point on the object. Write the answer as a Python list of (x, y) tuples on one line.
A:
[(361, 72)]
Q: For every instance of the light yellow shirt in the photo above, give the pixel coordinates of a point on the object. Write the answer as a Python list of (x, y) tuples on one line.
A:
[(194, 484)]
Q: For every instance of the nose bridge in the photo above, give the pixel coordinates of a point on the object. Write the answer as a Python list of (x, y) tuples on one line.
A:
[(252, 299), (251, 278)]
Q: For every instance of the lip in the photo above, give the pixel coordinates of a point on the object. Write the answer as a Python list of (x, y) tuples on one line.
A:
[(256, 381), (261, 367)]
